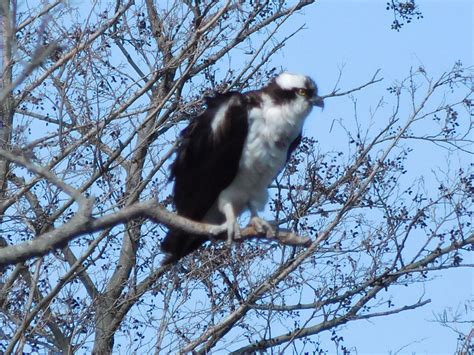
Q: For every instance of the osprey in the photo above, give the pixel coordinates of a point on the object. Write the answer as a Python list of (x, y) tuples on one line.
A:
[(228, 156)]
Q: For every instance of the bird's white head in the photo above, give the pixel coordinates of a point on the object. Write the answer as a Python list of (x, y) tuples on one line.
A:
[(301, 86), (288, 81)]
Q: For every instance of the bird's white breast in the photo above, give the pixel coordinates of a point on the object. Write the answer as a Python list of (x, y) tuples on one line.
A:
[(272, 128)]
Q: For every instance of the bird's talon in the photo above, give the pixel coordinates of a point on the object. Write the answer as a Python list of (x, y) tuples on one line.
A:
[(237, 234), (233, 233), (262, 227)]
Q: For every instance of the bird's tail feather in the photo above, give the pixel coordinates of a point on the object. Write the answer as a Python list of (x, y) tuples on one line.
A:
[(178, 244)]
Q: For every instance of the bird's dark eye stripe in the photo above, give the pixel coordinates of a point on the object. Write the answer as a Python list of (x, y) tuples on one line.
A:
[(301, 91), (304, 92)]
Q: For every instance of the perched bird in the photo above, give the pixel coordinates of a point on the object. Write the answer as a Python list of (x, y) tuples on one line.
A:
[(228, 156)]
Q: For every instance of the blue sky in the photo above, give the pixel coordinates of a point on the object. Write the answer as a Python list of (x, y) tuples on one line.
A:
[(356, 35)]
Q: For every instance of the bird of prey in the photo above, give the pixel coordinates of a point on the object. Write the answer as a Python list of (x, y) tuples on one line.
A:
[(228, 156)]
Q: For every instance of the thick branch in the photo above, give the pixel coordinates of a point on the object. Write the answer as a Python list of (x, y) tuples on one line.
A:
[(82, 224)]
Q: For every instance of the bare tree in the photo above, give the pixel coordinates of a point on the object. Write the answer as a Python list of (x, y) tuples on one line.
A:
[(92, 101)]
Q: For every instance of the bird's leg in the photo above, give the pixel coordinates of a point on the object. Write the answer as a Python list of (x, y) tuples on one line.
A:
[(260, 225), (233, 228)]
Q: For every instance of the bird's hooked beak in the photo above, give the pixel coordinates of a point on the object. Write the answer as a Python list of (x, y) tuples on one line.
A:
[(317, 101)]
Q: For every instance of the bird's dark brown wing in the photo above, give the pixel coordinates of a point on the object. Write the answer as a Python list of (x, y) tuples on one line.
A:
[(206, 162), (293, 146)]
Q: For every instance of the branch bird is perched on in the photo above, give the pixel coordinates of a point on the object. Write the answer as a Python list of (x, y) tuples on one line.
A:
[(229, 155)]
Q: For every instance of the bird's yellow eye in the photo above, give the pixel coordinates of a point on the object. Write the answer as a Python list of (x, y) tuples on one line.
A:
[(302, 92)]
